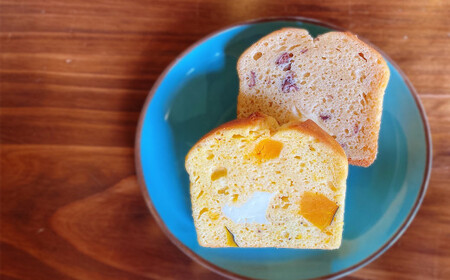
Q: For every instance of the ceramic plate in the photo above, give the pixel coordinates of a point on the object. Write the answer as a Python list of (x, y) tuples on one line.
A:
[(199, 91)]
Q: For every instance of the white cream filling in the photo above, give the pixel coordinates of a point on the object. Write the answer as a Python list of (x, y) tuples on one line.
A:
[(252, 211)]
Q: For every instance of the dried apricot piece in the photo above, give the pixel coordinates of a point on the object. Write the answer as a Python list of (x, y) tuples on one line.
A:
[(317, 209), (268, 149)]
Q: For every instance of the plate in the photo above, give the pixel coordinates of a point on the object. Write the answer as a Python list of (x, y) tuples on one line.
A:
[(198, 92)]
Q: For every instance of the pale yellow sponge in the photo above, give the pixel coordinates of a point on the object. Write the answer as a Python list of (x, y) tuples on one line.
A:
[(257, 184), (336, 80)]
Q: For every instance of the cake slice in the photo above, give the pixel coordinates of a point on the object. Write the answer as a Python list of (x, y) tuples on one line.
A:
[(257, 184), (335, 79)]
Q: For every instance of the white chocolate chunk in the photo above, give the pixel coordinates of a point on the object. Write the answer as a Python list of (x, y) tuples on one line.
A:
[(252, 211)]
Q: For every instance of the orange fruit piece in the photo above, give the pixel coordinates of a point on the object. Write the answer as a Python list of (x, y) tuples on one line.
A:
[(268, 149), (317, 209)]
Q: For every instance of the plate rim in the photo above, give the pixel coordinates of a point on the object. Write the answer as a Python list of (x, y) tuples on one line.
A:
[(231, 275)]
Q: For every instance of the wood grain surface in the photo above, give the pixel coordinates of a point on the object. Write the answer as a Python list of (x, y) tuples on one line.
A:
[(74, 76)]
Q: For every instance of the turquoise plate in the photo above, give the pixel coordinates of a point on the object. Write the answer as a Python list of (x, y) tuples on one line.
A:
[(199, 91)]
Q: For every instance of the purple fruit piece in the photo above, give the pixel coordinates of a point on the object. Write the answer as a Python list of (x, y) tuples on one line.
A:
[(324, 117), (252, 81), (283, 59), (288, 83)]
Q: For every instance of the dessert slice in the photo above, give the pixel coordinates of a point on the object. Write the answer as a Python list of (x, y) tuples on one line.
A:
[(335, 79), (257, 184)]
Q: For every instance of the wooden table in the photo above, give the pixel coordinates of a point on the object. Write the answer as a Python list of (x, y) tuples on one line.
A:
[(74, 76)]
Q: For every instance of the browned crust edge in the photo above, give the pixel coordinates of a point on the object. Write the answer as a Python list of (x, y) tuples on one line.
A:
[(307, 127), (366, 162), (254, 118), (362, 162)]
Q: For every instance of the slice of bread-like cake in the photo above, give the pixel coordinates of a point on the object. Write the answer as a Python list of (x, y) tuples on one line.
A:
[(257, 184), (335, 79)]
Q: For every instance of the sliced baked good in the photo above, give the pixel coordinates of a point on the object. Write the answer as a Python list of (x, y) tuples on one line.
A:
[(335, 79), (257, 184)]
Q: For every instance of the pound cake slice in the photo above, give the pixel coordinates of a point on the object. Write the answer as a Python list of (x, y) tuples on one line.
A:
[(257, 184), (335, 79)]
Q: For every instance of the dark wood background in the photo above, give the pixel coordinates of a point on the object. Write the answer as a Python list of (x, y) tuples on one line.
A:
[(74, 76)]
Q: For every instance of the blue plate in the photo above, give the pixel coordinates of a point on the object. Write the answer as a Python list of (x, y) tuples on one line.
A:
[(199, 91)]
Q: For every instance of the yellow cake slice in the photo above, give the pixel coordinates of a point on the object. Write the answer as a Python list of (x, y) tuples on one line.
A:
[(336, 80), (257, 184)]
